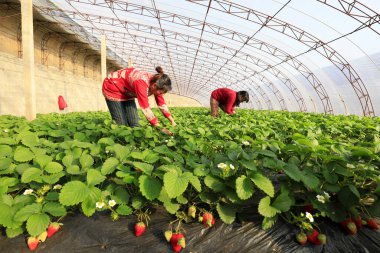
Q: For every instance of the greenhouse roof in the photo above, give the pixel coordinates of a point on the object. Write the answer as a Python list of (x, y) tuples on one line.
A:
[(296, 55)]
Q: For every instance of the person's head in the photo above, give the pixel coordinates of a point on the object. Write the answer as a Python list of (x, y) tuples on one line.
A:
[(160, 82), (242, 96)]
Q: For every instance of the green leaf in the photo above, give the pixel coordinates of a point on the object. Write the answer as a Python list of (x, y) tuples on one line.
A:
[(23, 154), (263, 183), (89, 203), (107, 141), (175, 184), (86, 160), (5, 163), (43, 159), (37, 223), (53, 167), (249, 165), (283, 202), (149, 187), (226, 212), (265, 209), (68, 160), (182, 200), (293, 172), (73, 170), (195, 182), (268, 222), (30, 140), (73, 193), (94, 177), (5, 150), (53, 178), (14, 232), (244, 187), (121, 195), (349, 196), (171, 207), (109, 165), (6, 215), (121, 152), (25, 212), (124, 210), (214, 183), (144, 167), (138, 202), (55, 209), (31, 174), (310, 180)]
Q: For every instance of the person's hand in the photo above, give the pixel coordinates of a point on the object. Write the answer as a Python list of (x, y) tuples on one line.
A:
[(166, 131), (173, 123)]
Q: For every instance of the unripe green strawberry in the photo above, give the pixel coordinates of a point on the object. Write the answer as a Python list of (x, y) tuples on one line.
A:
[(322, 238), (168, 235), (351, 228), (200, 219), (301, 238), (182, 242), (191, 211)]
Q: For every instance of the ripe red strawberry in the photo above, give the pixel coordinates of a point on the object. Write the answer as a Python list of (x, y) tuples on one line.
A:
[(33, 243), (372, 224), (174, 241), (301, 238), (358, 222), (139, 228), (208, 219), (168, 235), (53, 228), (313, 237), (191, 211), (308, 208), (322, 238)]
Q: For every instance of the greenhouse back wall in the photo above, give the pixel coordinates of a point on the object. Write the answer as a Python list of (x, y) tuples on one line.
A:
[(190, 126)]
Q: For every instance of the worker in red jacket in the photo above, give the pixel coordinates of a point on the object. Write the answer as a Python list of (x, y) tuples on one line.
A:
[(226, 99), (121, 87)]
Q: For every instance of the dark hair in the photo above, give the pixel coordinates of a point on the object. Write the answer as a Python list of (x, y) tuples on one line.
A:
[(244, 95), (162, 80)]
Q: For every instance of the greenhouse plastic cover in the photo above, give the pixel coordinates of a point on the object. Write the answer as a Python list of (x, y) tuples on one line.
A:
[(295, 55), (99, 234)]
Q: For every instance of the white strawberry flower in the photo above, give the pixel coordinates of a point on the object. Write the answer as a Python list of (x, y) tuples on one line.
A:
[(350, 166), (166, 141), (327, 196), (222, 165), (321, 199), (246, 143), (107, 151), (57, 187), (310, 217), (28, 192), (6, 130), (100, 204), (232, 167), (112, 203)]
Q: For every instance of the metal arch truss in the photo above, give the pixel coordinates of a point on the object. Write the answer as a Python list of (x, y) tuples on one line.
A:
[(117, 40), (218, 47), (307, 39), (220, 31)]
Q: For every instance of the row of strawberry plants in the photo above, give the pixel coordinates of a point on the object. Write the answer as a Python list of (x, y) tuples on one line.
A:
[(63, 163)]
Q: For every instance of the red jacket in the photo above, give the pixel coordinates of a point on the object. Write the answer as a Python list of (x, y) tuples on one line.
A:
[(130, 83), (225, 97)]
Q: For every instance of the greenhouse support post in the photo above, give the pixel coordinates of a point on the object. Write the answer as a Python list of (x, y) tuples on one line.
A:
[(28, 58)]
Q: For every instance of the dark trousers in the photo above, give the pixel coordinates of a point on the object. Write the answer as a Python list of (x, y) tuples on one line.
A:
[(124, 112)]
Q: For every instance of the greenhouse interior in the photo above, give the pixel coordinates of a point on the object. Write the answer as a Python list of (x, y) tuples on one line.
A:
[(190, 126)]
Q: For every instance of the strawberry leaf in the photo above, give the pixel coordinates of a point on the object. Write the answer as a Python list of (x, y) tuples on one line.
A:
[(175, 184), (149, 187), (214, 183), (55, 209), (13, 232), (124, 210), (37, 223), (25, 212), (268, 222), (23, 154), (244, 187), (86, 160), (31, 174), (293, 172), (109, 165), (94, 177), (265, 209), (53, 167), (89, 203), (144, 167), (226, 212), (263, 183), (73, 193)]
